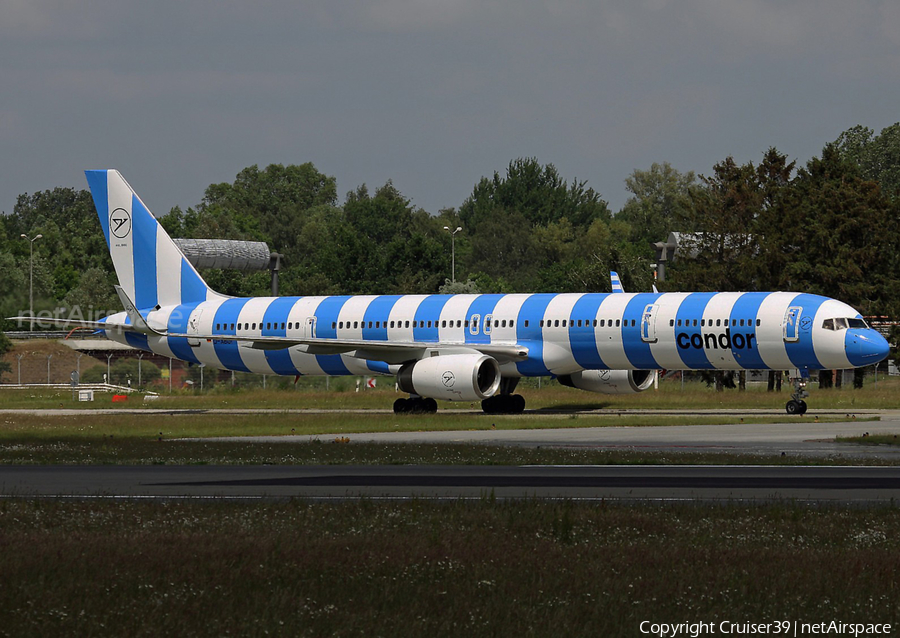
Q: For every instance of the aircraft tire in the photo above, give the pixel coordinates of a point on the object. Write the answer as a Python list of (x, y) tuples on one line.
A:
[(803, 407), (793, 407), (429, 406), (517, 403), (401, 406)]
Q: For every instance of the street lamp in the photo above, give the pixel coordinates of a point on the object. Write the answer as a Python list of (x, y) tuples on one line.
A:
[(31, 277), (453, 251)]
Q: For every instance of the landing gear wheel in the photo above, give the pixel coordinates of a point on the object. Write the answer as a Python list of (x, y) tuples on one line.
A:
[(797, 405), (401, 406), (517, 403), (415, 405)]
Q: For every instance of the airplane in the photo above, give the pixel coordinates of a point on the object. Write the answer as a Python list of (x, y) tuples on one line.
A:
[(465, 347)]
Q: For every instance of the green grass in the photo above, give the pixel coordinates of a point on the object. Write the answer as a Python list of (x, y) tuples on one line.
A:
[(551, 396), (871, 439), (480, 568), (182, 425)]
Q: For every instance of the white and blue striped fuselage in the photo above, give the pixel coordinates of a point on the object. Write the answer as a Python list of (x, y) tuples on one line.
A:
[(562, 333)]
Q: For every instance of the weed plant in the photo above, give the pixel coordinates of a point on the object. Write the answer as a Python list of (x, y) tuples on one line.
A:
[(483, 568)]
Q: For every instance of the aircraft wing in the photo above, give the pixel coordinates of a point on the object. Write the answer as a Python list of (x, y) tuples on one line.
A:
[(73, 323), (391, 352)]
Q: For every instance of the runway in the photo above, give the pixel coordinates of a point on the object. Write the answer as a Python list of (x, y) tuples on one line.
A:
[(805, 438), (861, 485)]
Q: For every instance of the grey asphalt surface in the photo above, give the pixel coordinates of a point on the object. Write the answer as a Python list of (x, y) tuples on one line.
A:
[(707, 483), (654, 483), (793, 438)]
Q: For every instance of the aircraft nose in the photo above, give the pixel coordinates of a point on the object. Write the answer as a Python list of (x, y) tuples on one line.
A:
[(866, 347)]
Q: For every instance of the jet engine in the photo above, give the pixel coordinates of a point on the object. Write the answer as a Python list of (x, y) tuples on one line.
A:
[(610, 381), (452, 377)]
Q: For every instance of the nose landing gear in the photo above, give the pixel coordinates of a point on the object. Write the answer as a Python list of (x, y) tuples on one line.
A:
[(797, 405)]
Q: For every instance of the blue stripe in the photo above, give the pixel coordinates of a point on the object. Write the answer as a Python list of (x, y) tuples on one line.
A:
[(100, 192), (178, 323), (531, 337), (228, 351), (143, 230), (277, 314), (801, 352), (327, 314), (637, 350), (136, 340), (483, 305), (429, 309), (193, 288), (378, 311), (378, 366), (747, 308), (690, 310), (584, 339)]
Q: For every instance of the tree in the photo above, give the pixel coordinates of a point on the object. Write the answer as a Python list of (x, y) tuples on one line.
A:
[(521, 229), (877, 156), (72, 237), (5, 346), (535, 192), (839, 231), (660, 204), (723, 213)]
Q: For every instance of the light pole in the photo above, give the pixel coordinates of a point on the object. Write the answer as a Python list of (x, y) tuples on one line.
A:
[(31, 276), (453, 251)]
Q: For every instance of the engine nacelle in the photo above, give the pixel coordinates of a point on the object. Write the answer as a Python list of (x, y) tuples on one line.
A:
[(610, 381), (452, 377)]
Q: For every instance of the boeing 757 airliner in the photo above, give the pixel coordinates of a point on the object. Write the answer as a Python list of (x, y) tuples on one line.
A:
[(463, 347)]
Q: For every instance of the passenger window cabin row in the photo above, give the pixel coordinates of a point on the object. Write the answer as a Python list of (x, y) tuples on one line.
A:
[(504, 323), (709, 323)]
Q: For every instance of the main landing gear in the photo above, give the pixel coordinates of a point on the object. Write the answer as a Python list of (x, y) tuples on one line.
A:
[(797, 405), (505, 402), (415, 405)]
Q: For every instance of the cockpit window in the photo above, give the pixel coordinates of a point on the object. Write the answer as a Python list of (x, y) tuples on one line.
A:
[(842, 323)]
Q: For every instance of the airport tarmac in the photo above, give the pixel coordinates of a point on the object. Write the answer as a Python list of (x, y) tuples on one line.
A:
[(857, 485), (645, 483), (791, 438)]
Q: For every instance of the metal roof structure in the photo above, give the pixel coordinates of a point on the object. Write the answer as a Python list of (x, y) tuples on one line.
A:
[(226, 253)]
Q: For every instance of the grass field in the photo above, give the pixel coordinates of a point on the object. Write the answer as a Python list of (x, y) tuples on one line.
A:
[(885, 394), (153, 438), (447, 569), (384, 568)]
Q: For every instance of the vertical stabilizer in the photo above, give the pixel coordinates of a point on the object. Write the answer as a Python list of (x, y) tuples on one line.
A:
[(151, 269)]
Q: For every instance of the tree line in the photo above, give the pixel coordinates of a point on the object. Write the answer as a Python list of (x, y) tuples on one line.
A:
[(828, 227)]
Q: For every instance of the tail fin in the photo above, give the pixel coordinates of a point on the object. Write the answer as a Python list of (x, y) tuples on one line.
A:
[(151, 269), (615, 282)]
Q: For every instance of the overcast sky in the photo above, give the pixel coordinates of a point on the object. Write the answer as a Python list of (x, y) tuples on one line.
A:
[(430, 94)]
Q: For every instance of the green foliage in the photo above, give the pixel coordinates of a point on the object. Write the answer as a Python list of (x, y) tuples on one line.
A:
[(877, 156), (521, 230), (825, 229), (838, 234), (5, 346), (660, 204)]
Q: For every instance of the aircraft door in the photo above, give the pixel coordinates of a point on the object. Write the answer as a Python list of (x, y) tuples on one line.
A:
[(648, 324), (193, 327), (792, 324), (473, 327), (310, 328)]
